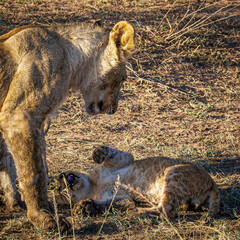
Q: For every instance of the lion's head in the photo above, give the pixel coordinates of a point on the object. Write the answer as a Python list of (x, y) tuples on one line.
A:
[(101, 91)]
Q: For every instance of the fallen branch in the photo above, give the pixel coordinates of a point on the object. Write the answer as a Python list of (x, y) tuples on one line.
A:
[(160, 84)]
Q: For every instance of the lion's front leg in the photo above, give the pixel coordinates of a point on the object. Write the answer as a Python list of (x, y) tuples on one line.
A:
[(24, 140), (111, 157), (8, 177)]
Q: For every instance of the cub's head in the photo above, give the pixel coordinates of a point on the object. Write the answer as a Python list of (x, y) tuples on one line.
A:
[(102, 91), (72, 184)]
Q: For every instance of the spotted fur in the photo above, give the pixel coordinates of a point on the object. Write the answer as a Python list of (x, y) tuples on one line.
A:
[(161, 184)]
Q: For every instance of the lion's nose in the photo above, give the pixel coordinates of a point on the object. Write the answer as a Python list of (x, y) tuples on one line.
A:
[(112, 111), (100, 106)]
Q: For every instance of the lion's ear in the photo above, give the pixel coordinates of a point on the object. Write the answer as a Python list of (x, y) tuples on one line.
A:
[(122, 35)]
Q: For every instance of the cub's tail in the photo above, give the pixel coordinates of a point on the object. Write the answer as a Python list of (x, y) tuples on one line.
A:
[(214, 201)]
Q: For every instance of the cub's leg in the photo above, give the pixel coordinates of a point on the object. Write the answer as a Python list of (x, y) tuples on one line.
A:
[(153, 211), (8, 177), (186, 182), (112, 158), (168, 207)]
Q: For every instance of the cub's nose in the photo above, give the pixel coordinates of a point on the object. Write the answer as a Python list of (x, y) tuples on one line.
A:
[(62, 175)]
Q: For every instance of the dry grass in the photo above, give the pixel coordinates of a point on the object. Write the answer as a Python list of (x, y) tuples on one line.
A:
[(181, 100)]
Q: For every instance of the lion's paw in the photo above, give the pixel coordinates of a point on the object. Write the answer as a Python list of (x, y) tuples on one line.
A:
[(44, 220)]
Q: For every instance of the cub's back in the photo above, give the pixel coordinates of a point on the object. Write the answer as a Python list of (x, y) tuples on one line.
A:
[(150, 176), (146, 172)]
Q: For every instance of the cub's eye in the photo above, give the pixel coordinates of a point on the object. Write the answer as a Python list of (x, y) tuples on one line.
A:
[(123, 80)]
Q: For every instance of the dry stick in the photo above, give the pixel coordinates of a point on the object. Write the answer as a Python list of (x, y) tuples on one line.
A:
[(206, 235), (138, 197), (169, 24), (114, 196), (183, 17), (194, 14), (218, 20), (174, 229), (56, 214), (216, 230), (158, 83), (195, 28), (67, 194), (117, 4), (222, 234), (186, 26), (165, 16), (200, 9), (199, 24)]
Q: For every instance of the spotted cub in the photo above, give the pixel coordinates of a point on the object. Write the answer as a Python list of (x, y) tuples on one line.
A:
[(157, 185)]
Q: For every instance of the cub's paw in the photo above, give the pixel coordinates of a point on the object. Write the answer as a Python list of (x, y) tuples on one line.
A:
[(102, 153), (86, 207), (64, 225)]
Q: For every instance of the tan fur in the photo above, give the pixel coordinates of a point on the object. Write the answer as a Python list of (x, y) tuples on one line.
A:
[(6, 36), (38, 67), (161, 184)]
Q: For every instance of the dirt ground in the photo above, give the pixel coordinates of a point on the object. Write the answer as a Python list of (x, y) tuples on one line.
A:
[(181, 100)]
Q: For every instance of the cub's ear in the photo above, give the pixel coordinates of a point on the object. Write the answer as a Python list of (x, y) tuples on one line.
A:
[(122, 36)]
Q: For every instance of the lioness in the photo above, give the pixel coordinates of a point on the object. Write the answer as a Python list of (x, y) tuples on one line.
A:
[(38, 67), (160, 183)]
